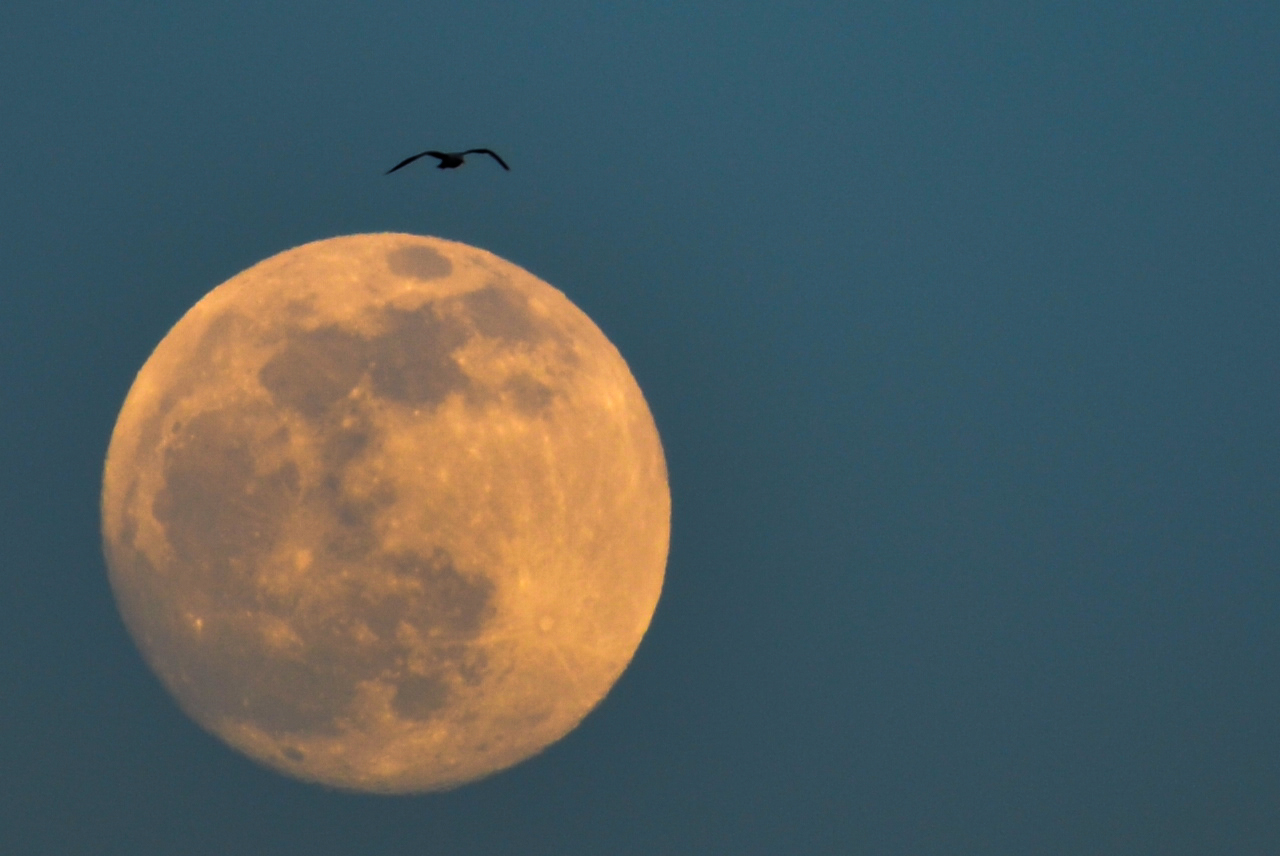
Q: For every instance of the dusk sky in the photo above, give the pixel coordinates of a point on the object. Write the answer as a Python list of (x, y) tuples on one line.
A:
[(960, 323)]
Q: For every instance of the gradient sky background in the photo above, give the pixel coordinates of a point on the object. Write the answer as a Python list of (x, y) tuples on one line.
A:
[(960, 321)]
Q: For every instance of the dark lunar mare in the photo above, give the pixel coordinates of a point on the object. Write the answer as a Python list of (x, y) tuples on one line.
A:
[(419, 262)]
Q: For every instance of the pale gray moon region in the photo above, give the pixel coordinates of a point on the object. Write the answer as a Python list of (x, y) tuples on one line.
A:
[(386, 512)]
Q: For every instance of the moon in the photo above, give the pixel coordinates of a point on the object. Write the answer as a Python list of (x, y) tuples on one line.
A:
[(386, 513)]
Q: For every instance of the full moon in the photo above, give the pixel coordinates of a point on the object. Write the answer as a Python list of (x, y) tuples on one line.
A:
[(386, 513)]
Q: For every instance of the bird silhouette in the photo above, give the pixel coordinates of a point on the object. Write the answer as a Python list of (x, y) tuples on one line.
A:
[(450, 160)]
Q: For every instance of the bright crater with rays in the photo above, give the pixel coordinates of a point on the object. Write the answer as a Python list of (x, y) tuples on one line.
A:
[(386, 512)]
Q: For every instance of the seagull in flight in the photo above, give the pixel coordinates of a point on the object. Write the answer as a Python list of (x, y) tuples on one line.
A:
[(450, 160)]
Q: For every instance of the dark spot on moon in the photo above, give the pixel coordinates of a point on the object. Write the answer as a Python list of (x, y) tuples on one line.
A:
[(301, 691), (215, 507), (314, 370), (230, 326), (412, 360), (418, 262), (472, 664), (502, 313), (351, 533), (346, 441), (451, 604), (437, 599), (293, 754), (448, 609), (418, 697), (529, 395)]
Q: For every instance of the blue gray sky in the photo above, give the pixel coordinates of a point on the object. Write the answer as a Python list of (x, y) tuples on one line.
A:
[(959, 322)]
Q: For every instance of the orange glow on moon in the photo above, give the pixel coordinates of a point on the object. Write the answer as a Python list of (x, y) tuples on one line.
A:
[(386, 512)]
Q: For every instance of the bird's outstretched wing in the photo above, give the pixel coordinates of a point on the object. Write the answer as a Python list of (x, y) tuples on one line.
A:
[(491, 154), (408, 161)]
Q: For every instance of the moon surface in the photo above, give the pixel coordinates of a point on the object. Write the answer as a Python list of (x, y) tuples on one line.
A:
[(386, 512)]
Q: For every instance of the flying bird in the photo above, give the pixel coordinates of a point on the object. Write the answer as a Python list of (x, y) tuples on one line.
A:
[(450, 160)]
